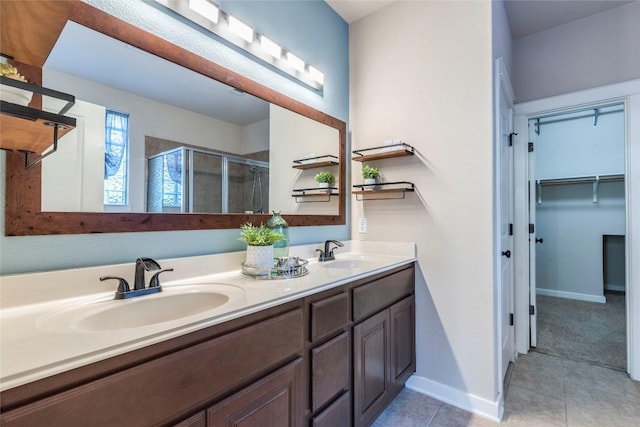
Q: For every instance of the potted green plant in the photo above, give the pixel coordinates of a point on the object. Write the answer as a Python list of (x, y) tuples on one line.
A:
[(325, 179), (369, 173), (259, 240)]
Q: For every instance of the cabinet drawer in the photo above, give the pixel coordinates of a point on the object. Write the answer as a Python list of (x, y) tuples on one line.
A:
[(370, 298), (158, 391), (338, 414), (329, 370), (329, 315)]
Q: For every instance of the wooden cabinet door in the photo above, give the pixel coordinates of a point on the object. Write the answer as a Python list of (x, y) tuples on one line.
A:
[(274, 401), (371, 358), (197, 420), (403, 346)]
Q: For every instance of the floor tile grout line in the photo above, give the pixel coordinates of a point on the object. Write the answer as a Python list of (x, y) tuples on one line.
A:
[(433, 416)]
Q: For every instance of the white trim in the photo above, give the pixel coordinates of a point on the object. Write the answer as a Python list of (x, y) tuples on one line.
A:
[(571, 295), (570, 100), (501, 83), (468, 402), (632, 183), (521, 233), (629, 93)]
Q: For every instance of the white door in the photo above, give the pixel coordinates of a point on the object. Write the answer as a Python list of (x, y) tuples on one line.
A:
[(505, 159), (533, 200)]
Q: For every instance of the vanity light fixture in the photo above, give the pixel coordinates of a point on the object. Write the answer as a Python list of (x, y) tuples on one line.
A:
[(271, 47), (209, 16), (206, 8), (241, 29), (316, 74), (295, 62)]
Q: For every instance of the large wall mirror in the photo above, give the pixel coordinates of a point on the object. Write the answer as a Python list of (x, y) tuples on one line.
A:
[(202, 154)]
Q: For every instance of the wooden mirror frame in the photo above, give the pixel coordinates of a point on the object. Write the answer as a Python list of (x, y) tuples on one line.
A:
[(23, 214)]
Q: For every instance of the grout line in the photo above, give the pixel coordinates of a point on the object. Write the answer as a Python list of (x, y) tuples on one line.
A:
[(434, 414)]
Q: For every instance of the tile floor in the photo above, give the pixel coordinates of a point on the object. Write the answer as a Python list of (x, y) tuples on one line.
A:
[(542, 391)]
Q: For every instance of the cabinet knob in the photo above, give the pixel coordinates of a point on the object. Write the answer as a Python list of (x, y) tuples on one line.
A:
[(507, 253)]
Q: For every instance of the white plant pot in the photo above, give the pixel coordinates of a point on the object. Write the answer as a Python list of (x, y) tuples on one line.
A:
[(260, 256), (370, 183), (324, 185), (15, 95)]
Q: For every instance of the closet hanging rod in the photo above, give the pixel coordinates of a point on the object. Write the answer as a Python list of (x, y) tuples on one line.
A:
[(580, 110), (581, 179), (543, 120)]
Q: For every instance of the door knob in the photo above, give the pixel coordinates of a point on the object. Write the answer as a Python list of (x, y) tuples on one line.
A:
[(540, 240), (507, 253)]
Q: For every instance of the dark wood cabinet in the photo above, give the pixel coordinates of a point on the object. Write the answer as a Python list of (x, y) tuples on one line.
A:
[(383, 359), (275, 401), (402, 339), (332, 359), (371, 356)]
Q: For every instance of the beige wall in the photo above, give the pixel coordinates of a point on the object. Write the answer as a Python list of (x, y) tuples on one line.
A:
[(294, 137), (421, 71)]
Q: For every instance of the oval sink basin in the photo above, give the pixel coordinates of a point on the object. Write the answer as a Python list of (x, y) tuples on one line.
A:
[(145, 312), (173, 303), (347, 263)]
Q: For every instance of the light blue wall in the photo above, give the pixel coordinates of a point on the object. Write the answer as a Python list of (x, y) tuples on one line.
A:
[(310, 28), (576, 147)]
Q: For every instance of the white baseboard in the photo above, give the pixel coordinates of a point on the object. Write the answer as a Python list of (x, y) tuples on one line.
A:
[(616, 288), (468, 402), (571, 295)]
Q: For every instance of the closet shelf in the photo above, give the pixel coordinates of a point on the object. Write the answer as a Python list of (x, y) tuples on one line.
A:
[(379, 192), (315, 194), (595, 180), (316, 162), (383, 152)]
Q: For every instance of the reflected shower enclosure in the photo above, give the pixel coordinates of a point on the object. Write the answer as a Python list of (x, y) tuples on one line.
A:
[(188, 180)]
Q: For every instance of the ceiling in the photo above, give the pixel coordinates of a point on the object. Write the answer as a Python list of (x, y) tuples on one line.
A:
[(525, 16), (149, 76)]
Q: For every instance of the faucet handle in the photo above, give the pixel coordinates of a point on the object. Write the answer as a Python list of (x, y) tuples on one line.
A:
[(155, 280), (123, 285)]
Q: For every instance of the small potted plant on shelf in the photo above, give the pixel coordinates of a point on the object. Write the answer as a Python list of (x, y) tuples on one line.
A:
[(259, 240), (325, 179), (369, 173)]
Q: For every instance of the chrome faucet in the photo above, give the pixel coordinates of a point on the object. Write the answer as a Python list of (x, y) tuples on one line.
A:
[(139, 289), (327, 254)]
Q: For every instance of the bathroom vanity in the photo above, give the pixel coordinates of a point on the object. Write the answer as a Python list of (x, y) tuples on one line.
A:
[(332, 348)]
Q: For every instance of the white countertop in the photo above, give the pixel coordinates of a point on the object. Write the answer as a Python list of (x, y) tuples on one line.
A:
[(35, 344)]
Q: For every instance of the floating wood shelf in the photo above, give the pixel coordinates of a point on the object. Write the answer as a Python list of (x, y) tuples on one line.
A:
[(316, 194), (32, 130), (380, 192), (383, 152), (315, 162)]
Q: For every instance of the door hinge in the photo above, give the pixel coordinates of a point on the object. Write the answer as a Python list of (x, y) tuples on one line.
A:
[(532, 228), (510, 229), (511, 135), (510, 319), (532, 310), (530, 147)]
